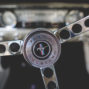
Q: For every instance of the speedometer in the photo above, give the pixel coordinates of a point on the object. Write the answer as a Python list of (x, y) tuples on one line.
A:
[(9, 19)]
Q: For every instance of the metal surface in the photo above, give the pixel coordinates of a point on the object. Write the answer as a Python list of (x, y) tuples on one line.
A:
[(69, 28), (8, 19), (34, 49), (53, 78), (52, 16), (7, 51), (73, 16), (8, 34)]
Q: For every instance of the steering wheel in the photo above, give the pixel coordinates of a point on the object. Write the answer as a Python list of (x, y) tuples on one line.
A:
[(42, 48)]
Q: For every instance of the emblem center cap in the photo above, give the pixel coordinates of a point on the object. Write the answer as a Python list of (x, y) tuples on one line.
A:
[(41, 49)]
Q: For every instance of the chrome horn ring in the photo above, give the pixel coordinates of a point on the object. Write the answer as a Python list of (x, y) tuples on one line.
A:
[(41, 48)]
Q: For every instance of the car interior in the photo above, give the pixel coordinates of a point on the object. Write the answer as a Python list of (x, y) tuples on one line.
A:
[(44, 44)]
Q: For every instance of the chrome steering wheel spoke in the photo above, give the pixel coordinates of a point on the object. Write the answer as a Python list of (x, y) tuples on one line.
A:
[(73, 30), (11, 48), (49, 77)]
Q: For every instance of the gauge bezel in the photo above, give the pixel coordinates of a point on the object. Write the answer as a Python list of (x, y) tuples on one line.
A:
[(9, 25)]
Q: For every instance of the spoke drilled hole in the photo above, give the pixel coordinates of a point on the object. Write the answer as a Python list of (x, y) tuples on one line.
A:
[(87, 23), (51, 85), (77, 28), (2, 48), (64, 34), (14, 47), (48, 72)]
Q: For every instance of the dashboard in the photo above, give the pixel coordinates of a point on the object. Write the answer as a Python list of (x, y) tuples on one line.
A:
[(24, 18)]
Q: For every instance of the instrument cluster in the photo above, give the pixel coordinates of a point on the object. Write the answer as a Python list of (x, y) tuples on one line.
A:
[(21, 19), (34, 17)]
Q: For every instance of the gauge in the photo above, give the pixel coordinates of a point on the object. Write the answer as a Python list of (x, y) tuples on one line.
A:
[(73, 16), (9, 19)]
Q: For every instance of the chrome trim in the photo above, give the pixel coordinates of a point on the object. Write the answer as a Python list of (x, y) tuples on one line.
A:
[(7, 50), (53, 78), (46, 15), (41, 34), (69, 28)]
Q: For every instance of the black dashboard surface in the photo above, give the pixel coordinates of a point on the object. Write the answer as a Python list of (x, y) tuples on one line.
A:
[(43, 1)]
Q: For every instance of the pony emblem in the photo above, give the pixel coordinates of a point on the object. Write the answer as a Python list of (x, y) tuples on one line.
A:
[(42, 49)]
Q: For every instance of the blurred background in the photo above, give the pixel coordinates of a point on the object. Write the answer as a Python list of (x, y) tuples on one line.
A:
[(18, 17)]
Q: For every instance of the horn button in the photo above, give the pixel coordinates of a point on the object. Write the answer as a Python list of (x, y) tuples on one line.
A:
[(41, 48)]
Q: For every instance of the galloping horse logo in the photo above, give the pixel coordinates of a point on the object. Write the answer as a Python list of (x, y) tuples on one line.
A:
[(42, 49)]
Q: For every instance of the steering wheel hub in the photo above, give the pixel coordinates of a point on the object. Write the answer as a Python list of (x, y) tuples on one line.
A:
[(41, 48)]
